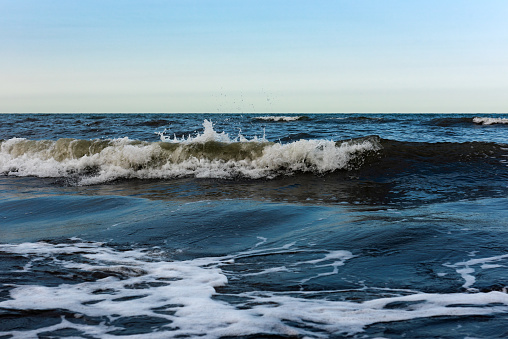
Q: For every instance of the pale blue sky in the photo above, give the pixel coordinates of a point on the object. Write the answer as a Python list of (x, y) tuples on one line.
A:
[(253, 56)]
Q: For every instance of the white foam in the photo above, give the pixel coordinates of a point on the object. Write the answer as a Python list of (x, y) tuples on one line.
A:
[(269, 271), (279, 118), (490, 121), (185, 290), (92, 330), (489, 266), (335, 259), (263, 240), (466, 271), (209, 134)]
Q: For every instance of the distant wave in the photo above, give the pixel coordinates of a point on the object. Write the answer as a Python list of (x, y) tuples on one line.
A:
[(490, 121), (278, 118), (365, 118), (362, 119), (155, 122), (447, 122)]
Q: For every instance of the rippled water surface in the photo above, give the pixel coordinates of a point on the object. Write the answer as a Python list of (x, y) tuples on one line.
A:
[(252, 226)]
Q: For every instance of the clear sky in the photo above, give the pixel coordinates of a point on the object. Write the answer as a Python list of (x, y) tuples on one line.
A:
[(253, 56)]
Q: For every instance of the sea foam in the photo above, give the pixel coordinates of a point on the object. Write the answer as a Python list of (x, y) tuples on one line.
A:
[(490, 121), (278, 118), (147, 284)]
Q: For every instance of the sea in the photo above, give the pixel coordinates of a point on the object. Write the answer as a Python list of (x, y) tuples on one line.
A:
[(253, 225)]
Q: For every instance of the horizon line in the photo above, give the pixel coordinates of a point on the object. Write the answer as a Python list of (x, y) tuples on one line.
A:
[(292, 113)]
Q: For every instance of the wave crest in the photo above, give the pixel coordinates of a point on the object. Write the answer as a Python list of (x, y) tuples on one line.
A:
[(448, 122), (278, 118), (490, 121), (208, 155)]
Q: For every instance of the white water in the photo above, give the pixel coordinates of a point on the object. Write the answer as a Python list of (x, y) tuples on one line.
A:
[(490, 121), (209, 134), (188, 290), (278, 118), (126, 158), (467, 268)]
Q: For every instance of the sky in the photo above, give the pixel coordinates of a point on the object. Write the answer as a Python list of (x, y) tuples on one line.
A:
[(248, 56)]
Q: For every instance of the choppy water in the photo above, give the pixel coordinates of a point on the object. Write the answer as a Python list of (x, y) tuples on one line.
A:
[(253, 226)]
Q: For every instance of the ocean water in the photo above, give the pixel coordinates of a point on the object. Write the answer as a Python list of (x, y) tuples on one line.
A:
[(253, 226)]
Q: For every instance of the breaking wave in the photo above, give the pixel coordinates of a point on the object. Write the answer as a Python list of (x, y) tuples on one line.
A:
[(216, 155), (278, 118), (207, 155), (447, 122), (490, 121)]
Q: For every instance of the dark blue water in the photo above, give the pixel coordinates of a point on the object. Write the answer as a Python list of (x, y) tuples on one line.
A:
[(253, 226)]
